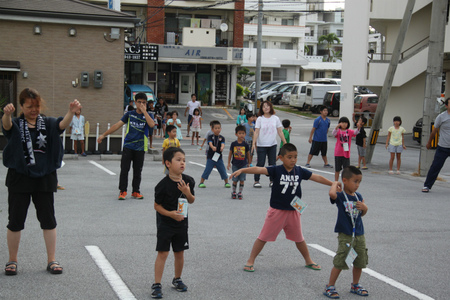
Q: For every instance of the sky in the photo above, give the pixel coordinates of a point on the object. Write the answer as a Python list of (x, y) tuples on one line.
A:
[(333, 4)]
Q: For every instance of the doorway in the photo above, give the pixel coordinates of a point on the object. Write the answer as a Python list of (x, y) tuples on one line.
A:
[(187, 87)]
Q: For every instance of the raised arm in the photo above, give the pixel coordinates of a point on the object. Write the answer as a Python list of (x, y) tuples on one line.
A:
[(8, 110), (73, 107)]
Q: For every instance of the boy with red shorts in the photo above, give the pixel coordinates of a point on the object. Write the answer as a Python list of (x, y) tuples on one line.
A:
[(281, 215)]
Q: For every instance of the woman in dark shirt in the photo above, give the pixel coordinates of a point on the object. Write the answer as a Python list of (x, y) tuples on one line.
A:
[(32, 155)]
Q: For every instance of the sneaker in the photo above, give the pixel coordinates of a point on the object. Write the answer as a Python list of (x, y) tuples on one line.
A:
[(307, 166), (122, 195), (329, 166), (202, 185), (257, 185), (239, 196), (398, 172), (83, 154), (391, 172), (425, 189), (233, 195), (227, 185), (179, 285), (157, 291), (136, 195)]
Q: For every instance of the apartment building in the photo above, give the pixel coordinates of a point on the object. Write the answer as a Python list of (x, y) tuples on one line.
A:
[(366, 65), (198, 44), (290, 40)]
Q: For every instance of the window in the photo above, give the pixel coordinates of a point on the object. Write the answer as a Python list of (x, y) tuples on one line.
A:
[(325, 32), (295, 90), (263, 45), (264, 21), (289, 46), (246, 44), (340, 33), (310, 50), (319, 74), (279, 74), (265, 76), (288, 22)]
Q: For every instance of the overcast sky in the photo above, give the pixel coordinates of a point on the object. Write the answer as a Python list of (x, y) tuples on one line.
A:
[(333, 4)]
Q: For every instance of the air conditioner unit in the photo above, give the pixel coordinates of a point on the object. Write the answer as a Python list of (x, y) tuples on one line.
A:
[(251, 37)]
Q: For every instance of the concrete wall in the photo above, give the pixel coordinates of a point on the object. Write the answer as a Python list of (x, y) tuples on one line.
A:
[(53, 60)]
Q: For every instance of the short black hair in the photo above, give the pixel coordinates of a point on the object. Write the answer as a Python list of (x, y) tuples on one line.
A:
[(214, 123), (397, 118), (170, 153), (169, 128), (322, 107), (140, 95), (175, 112), (240, 128), (288, 147), (286, 123), (349, 171), (345, 120), (364, 120), (249, 115)]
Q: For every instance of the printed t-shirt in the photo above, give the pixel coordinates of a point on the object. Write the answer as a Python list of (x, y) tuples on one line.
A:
[(286, 185), (136, 137), (396, 135), (344, 223), (342, 137), (239, 152), (170, 143), (217, 141)]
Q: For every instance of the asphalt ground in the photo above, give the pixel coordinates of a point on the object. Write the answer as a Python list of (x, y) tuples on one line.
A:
[(407, 233)]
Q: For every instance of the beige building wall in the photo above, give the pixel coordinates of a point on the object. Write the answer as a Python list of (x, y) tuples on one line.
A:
[(53, 60)]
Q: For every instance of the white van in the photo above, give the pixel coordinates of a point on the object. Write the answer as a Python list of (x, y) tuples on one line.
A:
[(315, 94), (297, 97)]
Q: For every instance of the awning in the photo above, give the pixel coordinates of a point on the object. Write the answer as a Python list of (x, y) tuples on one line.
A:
[(9, 65)]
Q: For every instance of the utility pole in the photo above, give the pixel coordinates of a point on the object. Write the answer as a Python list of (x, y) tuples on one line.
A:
[(258, 53), (386, 89), (433, 80)]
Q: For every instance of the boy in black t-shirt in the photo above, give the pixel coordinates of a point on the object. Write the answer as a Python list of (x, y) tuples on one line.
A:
[(281, 215), (173, 194), (240, 151), (361, 143)]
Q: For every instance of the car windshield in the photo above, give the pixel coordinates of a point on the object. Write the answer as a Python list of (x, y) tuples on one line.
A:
[(358, 99)]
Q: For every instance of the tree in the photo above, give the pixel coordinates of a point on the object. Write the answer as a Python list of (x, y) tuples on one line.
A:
[(244, 74), (329, 39)]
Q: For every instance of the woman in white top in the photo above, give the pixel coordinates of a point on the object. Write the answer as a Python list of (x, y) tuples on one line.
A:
[(265, 137)]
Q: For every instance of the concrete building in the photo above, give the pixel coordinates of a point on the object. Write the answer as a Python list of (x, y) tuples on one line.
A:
[(199, 48), (365, 65), (66, 50)]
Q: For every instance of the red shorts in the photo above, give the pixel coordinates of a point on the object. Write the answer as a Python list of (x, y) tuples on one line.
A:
[(276, 220)]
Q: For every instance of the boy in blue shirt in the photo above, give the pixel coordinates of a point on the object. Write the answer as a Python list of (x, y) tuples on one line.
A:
[(216, 144), (240, 152), (138, 123), (281, 215), (350, 229), (318, 138)]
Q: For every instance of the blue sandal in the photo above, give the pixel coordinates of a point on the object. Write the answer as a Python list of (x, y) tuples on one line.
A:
[(359, 290), (330, 292)]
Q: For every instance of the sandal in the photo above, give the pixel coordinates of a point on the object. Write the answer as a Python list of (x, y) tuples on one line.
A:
[(425, 189), (315, 267), (330, 292), (11, 268), (54, 268), (249, 268), (359, 290)]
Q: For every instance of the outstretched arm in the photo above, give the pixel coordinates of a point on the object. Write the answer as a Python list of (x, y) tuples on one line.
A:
[(110, 130), (251, 170), (320, 179), (73, 107)]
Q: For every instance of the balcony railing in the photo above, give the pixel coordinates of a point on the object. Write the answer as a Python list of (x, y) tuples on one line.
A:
[(411, 51)]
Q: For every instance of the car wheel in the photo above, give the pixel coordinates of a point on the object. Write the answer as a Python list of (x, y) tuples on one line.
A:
[(335, 112)]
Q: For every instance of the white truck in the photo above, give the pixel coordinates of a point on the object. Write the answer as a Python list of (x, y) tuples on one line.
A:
[(298, 94), (315, 93)]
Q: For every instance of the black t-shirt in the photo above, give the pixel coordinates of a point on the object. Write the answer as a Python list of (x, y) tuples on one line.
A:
[(167, 195), (360, 137), (239, 152), (217, 141)]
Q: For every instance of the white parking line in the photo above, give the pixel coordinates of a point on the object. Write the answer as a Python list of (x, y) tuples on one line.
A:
[(194, 163), (120, 288), (379, 276), (102, 167)]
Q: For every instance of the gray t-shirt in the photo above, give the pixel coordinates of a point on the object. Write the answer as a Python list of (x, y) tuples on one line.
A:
[(443, 123)]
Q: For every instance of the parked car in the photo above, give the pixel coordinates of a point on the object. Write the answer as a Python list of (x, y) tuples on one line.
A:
[(132, 89), (366, 103), (326, 81), (332, 101), (263, 86), (417, 131), (315, 93), (298, 94), (274, 94), (286, 95)]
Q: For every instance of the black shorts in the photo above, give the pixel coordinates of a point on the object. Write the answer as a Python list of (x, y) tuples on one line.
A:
[(340, 163), (317, 147), (18, 204), (167, 235)]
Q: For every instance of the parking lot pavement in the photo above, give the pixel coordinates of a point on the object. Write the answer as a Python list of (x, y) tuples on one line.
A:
[(405, 232)]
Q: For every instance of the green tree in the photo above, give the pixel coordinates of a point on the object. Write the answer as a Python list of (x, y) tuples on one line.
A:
[(330, 39), (244, 74)]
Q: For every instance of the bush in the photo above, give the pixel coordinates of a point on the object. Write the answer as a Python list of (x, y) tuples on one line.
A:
[(239, 90)]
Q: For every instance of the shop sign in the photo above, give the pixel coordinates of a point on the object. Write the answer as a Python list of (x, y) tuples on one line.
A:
[(238, 53), (184, 52), (142, 52)]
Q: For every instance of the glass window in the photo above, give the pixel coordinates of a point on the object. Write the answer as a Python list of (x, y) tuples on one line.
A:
[(340, 33), (279, 74), (265, 76), (288, 46), (263, 45), (289, 22), (246, 44)]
